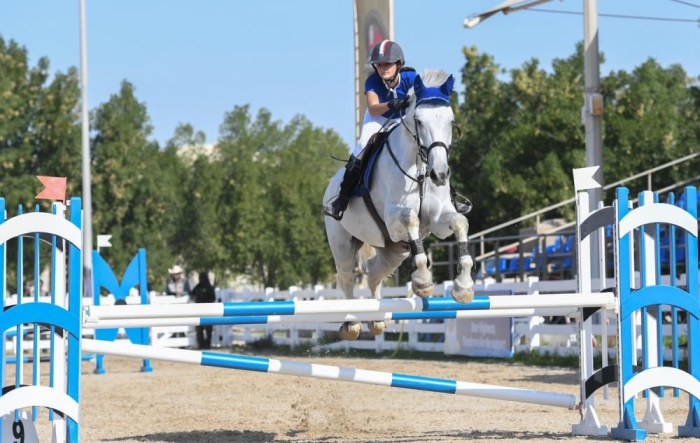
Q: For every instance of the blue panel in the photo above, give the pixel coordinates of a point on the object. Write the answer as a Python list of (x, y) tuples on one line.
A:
[(234, 361), (132, 275), (244, 320), (423, 383), (449, 304), (258, 308)]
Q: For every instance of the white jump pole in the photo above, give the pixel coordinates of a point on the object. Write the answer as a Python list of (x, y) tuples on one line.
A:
[(258, 364), (321, 318), (356, 306)]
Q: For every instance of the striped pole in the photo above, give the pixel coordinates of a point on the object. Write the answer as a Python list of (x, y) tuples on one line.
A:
[(355, 306), (258, 364), (321, 318)]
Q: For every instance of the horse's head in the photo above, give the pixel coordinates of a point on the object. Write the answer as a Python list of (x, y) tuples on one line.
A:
[(433, 119)]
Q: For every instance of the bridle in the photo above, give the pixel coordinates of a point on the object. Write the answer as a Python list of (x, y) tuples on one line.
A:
[(424, 151)]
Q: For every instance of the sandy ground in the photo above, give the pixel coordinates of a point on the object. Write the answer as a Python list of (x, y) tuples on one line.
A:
[(188, 403)]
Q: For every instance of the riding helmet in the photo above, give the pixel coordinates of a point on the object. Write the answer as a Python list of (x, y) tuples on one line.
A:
[(387, 52)]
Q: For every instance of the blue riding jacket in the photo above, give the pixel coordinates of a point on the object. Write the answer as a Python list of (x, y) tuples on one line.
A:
[(374, 83)]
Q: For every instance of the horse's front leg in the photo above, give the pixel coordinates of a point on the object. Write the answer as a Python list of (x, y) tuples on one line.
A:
[(405, 226), (463, 287)]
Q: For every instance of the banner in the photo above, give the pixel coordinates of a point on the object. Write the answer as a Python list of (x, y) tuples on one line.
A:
[(374, 22), (481, 337)]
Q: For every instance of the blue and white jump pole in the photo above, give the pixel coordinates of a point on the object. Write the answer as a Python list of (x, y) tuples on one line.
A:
[(389, 379), (95, 323), (361, 306)]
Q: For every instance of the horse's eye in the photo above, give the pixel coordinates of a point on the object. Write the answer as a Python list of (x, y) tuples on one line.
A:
[(418, 122)]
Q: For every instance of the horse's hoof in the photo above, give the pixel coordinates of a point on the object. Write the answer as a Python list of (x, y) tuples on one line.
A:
[(350, 330), (423, 291), (377, 327), (462, 295)]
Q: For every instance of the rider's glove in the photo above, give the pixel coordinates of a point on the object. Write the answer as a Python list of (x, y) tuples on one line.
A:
[(398, 104)]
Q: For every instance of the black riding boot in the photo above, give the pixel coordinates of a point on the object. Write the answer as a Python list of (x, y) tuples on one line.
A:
[(337, 207), (462, 204)]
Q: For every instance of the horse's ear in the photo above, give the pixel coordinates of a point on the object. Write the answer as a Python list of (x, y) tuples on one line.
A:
[(418, 86), (448, 86)]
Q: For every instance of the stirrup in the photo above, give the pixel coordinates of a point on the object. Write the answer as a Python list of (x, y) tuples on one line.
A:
[(462, 203)]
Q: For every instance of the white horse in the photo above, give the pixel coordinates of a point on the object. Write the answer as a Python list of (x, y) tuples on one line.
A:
[(417, 148)]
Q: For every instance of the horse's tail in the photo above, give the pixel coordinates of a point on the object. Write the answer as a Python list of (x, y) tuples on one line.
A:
[(363, 255)]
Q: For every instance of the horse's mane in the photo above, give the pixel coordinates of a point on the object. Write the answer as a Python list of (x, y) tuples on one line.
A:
[(434, 77)]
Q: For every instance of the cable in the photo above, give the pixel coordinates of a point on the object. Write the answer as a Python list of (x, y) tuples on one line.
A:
[(635, 17)]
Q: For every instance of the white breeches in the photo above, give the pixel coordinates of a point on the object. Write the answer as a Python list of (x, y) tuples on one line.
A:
[(370, 126)]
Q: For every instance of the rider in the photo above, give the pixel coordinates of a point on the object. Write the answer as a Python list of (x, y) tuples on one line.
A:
[(386, 94)]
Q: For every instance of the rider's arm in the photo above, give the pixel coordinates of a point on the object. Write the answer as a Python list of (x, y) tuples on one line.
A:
[(373, 106)]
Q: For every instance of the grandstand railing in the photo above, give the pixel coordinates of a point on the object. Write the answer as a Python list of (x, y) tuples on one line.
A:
[(483, 252)]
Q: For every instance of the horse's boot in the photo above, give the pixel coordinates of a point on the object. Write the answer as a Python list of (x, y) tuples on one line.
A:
[(462, 203), (337, 207)]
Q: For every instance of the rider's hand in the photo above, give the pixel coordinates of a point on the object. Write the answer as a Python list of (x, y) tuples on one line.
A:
[(398, 104)]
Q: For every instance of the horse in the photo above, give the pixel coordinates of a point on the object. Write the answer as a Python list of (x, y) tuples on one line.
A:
[(403, 207)]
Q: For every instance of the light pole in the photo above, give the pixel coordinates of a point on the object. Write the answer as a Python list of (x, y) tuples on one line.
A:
[(87, 187), (593, 105)]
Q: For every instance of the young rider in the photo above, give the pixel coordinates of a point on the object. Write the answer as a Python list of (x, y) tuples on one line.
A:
[(386, 93)]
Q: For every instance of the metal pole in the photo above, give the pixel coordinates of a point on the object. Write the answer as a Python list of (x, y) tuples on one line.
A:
[(593, 107), (87, 190), (593, 97)]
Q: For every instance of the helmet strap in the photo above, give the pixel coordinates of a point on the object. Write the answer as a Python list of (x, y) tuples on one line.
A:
[(393, 79)]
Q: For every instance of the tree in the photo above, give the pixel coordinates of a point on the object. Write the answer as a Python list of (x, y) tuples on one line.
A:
[(39, 135), (39, 132), (199, 231), (135, 185), (650, 119), (302, 172), (521, 138), (275, 176)]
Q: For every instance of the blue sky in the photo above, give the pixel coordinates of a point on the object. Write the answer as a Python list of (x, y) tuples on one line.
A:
[(192, 61)]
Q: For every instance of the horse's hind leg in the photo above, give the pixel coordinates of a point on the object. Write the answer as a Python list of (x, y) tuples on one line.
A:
[(379, 267), (344, 248)]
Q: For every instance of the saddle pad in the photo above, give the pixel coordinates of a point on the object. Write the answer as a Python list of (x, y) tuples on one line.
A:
[(362, 187), (373, 149)]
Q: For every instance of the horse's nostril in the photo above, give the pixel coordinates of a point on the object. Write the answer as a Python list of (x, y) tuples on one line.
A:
[(433, 176)]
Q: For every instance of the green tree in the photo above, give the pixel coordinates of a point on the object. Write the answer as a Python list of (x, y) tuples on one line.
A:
[(650, 118), (39, 135), (300, 176), (199, 234), (275, 176), (39, 132), (521, 138), (135, 186)]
